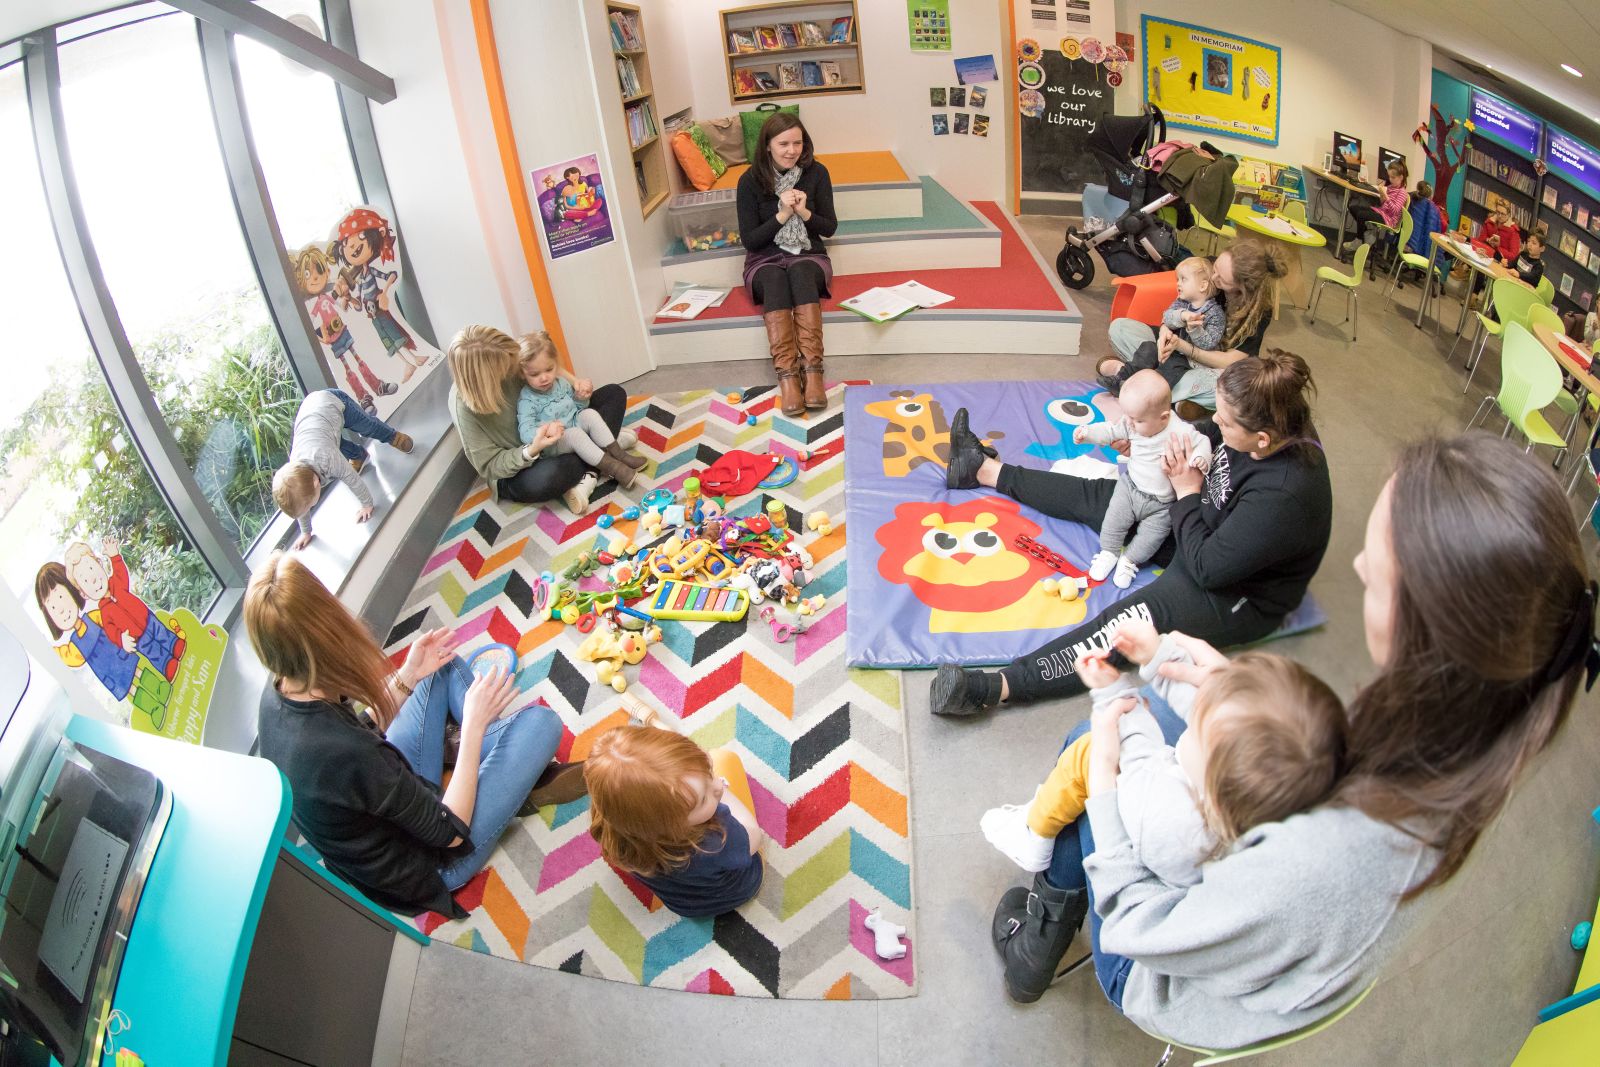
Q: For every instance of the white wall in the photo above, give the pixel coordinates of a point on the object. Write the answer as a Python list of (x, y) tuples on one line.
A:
[(1341, 71)]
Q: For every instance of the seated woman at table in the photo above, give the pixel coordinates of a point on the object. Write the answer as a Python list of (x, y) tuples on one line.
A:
[(1500, 235), (1246, 280)]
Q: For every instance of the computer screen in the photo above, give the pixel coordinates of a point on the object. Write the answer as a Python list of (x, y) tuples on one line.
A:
[(1346, 153), (1387, 156)]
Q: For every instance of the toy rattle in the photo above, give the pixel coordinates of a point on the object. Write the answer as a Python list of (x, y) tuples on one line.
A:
[(781, 631)]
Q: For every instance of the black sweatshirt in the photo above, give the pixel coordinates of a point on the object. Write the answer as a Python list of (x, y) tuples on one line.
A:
[(758, 210), (1258, 528), (377, 823)]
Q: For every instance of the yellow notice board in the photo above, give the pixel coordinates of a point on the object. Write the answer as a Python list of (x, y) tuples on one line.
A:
[(1212, 81)]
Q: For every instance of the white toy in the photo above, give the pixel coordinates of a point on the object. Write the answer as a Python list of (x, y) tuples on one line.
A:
[(887, 934)]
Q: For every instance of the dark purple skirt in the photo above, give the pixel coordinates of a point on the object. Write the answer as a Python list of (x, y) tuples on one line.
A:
[(778, 257)]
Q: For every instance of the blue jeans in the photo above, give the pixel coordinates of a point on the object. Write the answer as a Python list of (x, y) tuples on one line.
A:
[(1077, 841), (516, 751), (358, 421)]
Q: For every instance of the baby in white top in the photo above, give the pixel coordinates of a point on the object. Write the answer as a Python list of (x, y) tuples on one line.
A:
[(1143, 490)]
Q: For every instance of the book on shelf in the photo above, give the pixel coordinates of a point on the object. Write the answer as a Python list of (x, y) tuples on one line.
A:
[(1580, 253), (788, 35), (840, 33), (767, 38), (625, 35), (1585, 298), (628, 76), (644, 186), (766, 81), (1568, 244), (789, 76), (811, 72), (811, 34), (1581, 216), (1566, 209), (1594, 223), (742, 41), (641, 123), (1549, 196), (1566, 285), (830, 72), (744, 80)]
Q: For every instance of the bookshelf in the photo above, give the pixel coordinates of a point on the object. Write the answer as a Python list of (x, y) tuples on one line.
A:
[(638, 103), (794, 48), (1572, 250), (1494, 171)]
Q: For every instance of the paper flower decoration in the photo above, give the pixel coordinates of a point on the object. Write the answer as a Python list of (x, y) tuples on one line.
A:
[(1070, 48), (1028, 50)]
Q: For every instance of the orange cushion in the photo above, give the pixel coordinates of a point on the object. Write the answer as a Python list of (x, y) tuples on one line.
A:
[(694, 165)]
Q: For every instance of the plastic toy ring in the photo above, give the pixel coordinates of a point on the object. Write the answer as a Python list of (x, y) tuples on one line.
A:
[(657, 499), (541, 594), (586, 622), (781, 631)]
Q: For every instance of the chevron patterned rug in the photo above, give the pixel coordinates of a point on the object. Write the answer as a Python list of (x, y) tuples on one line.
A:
[(824, 745)]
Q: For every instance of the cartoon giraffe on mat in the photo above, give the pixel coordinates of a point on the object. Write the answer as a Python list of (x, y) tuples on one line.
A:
[(918, 432)]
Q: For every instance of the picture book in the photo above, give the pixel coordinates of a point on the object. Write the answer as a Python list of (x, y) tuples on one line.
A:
[(1594, 223), (811, 34), (962, 121), (1594, 263), (689, 303), (744, 81), (789, 76), (980, 125), (742, 41), (1582, 217), (1580, 252), (767, 37), (810, 72), (840, 34), (1566, 209), (789, 35), (977, 95), (880, 304), (766, 81), (1549, 196), (1566, 285), (831, 76), (1569, 244), (1585, 298)]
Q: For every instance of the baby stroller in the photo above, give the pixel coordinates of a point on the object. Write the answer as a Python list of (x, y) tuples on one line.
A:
[(1140, 242)]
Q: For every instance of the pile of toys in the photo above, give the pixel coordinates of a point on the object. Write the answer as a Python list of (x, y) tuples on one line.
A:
[(695, 562)]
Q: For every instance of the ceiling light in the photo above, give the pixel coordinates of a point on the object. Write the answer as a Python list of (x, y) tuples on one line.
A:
[(1574, 71)]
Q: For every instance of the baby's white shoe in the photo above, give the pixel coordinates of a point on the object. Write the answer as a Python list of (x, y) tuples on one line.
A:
[(1127, 569), (886, 936), (1007, 829), (577, 498), (1101, 565)]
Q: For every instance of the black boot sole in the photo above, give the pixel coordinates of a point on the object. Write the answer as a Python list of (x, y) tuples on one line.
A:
[(948, 694), (967, 453)]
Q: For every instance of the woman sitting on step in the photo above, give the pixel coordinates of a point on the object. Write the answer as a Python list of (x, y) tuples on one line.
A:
[(785, 212)]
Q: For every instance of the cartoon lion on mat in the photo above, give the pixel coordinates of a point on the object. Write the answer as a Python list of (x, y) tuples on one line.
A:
[(960, 561)]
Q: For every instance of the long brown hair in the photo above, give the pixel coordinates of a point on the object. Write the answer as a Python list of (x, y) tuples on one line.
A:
[(1257, 266), (1272, 395), (303, 635), (761, 162), (481, 359), (50, 577), (638, 803), (1492, 597)]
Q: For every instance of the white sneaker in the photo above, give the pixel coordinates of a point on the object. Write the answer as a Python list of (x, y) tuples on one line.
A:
[(1007, 829), (627, 439), (1101, 565), (1126, 570), (577, 498)]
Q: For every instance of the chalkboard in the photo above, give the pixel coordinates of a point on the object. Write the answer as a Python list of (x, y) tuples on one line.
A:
[(1076, 97)]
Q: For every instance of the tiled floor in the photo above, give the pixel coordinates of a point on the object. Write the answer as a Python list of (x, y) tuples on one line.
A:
[(1465, 994)]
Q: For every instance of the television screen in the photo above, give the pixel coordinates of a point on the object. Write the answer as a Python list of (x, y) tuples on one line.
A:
[(1510, 125), (1387, 156), (1346, 152)]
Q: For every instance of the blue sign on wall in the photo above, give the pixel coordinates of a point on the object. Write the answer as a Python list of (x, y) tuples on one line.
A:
[(1505, 123), (1574, 160)]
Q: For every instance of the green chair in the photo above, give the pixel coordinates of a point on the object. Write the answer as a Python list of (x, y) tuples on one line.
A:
[(1350, 282), (1405, 259), (1296, 210), (1226, 230), (1511, 301), (1393, 232), (1272, 1044), (1529, 382), (1546, 289)]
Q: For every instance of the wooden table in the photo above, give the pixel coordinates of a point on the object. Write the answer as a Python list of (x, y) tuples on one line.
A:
[(1293, 236), (1344, 207), (1493, 270), (1583, 373)]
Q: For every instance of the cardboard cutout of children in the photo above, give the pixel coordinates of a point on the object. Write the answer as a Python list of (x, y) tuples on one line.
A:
[(347, 283), (161, 665)]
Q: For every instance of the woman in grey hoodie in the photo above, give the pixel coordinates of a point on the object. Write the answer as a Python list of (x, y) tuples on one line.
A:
[(1303, 914)]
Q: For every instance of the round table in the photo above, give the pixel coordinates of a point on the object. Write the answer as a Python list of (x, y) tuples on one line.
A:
[(1293, 236)]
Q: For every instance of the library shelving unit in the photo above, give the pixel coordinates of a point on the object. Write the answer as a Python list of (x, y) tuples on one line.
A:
[(1572, 252), (796, 48), (1496, 171), (643, 124)]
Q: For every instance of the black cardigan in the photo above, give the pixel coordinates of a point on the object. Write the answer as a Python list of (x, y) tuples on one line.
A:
[(376, 822), (758, 210)]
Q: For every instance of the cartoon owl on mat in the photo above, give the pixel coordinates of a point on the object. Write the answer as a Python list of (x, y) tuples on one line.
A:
[(1067, 413), (960, 560)]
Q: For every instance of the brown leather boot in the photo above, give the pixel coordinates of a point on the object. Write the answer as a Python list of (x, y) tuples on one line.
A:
[(616, 470), (808, 330), (622, 455), (785, 360)]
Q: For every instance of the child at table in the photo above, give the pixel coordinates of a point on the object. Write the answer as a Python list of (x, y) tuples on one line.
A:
[(1265, 740), (1529, 264), (554, 407), (1386, 212), (1144, 492), (678, 818), (320, 453)]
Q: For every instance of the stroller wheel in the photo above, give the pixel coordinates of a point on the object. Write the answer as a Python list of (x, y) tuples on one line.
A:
[(1074, 265)]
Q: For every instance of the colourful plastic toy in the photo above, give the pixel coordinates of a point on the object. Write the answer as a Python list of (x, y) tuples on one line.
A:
[(778, 514), (630, 513), (604, 522), (1581, 934), (656, 499), (781, 631), (819, 523), (1067, 588), (680, 562), (783, 474), (489, 657), (697, 603), (611, 650), (749, 420)]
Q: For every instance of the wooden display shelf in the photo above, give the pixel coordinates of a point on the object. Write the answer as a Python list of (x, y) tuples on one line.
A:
[(646, 144), (823, 13), (843, 46), (649, 160), (814, 90)]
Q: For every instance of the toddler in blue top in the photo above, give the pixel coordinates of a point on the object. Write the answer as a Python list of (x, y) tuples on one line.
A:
[(554, 408), (1195, 314)]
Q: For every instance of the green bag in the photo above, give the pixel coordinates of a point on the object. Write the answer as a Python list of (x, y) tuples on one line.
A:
[(752, 121)]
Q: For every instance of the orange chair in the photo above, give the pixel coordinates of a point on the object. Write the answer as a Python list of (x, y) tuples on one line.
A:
[(1143, 297)]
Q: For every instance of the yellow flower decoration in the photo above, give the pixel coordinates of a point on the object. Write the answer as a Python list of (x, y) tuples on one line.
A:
[(1469, 125), (1028, 50), (1071, 48)]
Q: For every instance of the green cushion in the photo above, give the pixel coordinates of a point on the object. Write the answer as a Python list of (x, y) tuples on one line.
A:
[(718, 165), (752, 121)]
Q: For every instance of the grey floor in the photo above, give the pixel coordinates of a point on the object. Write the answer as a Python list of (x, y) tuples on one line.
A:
[(1467, 993)]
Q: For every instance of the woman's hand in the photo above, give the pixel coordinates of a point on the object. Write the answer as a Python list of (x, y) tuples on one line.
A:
[(1206, 659), (1096, 670), (583, 388), (1137, 640), (1176, 465), (427, 654), (488, 697), (1166, 342)]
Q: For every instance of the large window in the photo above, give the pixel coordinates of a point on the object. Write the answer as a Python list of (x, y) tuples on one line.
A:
[(68, 469)]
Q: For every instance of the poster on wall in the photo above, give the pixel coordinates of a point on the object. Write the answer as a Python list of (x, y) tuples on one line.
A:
[(572, 206), (1212, 81), (158, 666), (929, 23), (347, 282)]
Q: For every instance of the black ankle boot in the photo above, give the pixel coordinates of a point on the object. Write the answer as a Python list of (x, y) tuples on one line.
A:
[(1039, 937), (966, 454)]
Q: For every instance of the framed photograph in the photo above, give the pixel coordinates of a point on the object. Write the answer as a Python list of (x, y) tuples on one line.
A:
[(936, 97), (977, 96), (958, 96), (962, 120), (941, 124), (980, 125)]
